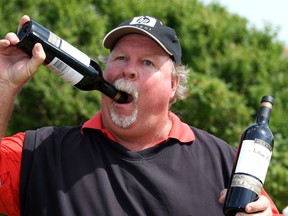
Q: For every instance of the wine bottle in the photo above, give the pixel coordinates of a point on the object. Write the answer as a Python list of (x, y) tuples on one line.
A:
[(66, 61), (251, 161)]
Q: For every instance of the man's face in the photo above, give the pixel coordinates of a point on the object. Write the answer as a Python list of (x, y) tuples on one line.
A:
[(141, 67)]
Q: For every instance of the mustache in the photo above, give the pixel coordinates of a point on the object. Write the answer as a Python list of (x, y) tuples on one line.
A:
[(127, 86)]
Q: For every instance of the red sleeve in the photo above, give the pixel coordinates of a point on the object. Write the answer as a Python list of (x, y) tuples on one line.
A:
[(10, 164), (273, 206)]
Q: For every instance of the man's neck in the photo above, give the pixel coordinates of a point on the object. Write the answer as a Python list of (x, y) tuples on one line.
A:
[(146, 138)]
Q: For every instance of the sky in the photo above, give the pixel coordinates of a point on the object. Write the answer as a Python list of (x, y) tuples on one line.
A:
[(259, 12)]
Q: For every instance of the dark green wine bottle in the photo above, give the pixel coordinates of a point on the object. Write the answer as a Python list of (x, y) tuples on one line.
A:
[(251, 162), (66, 61)]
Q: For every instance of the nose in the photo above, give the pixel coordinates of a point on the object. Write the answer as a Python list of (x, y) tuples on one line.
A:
[(130, 72)]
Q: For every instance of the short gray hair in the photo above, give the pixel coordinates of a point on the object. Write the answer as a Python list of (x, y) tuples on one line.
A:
[(182, 72)]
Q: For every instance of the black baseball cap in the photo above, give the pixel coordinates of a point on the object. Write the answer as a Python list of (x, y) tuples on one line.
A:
[(165, 36)]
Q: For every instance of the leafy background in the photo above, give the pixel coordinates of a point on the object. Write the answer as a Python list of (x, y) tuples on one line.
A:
[(231, 67)]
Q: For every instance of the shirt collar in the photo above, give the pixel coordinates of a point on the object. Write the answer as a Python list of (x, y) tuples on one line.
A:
[(180, 130)]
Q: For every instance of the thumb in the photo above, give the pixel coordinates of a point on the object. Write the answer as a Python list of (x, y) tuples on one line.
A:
[(38, 57)]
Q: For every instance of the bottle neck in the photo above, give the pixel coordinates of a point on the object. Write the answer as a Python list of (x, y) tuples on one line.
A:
[(264, 113)]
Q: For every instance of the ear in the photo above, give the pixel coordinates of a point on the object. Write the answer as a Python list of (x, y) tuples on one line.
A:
[(174, 85)]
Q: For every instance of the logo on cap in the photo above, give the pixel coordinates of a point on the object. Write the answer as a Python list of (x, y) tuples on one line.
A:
[(144, 20)]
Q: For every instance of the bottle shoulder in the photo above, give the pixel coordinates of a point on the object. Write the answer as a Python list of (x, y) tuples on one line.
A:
[(259, 131)]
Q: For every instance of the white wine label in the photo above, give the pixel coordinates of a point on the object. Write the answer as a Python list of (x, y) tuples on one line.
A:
[(254, 158), (54, 39), (65, 71), (75, 53), (69, 49), (248, 182)]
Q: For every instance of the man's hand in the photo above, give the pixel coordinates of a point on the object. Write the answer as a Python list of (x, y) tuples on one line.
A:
[(16, 68), (261, 207)]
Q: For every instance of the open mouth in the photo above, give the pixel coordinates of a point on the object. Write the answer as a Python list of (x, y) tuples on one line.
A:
[(128, 92), (127, 98), (123, 97)]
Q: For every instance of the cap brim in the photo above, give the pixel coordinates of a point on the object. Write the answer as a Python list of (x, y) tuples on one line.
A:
[(113, 36)]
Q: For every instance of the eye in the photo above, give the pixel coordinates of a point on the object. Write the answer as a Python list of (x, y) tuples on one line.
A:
[(148, 63), (120, 58)]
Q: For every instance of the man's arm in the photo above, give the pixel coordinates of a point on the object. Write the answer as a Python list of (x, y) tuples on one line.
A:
[(16, 68)]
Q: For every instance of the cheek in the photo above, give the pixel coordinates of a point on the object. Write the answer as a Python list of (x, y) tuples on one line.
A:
[(110, 73), (157, 89)]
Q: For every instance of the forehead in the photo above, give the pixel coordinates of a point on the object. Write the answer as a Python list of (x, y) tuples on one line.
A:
[(136, 40)]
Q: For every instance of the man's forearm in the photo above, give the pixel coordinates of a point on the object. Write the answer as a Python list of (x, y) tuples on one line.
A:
[(6, 106)]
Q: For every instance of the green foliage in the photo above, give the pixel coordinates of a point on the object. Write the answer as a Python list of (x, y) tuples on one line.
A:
[(46, 99), (277, 177), (211, 106), (232, 66)]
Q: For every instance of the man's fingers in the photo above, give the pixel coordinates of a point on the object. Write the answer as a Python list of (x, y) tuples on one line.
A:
[(12, 38), (262, 204), (23, 20), (37, 58), (222, 196)]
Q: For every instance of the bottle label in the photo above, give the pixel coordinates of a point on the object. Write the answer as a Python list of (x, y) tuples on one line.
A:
[(69, 49), (254, 158), (248, 182), (65, 71), (54, 39)]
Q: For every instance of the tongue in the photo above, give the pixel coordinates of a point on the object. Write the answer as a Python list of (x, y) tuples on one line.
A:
[(129, 99)]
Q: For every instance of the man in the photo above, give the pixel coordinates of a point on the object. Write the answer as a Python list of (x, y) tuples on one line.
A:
[(135, 158)]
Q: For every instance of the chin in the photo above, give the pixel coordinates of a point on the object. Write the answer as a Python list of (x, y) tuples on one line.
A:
[(123, 122)]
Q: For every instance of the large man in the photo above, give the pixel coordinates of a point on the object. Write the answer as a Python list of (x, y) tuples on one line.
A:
[(135, 158)]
